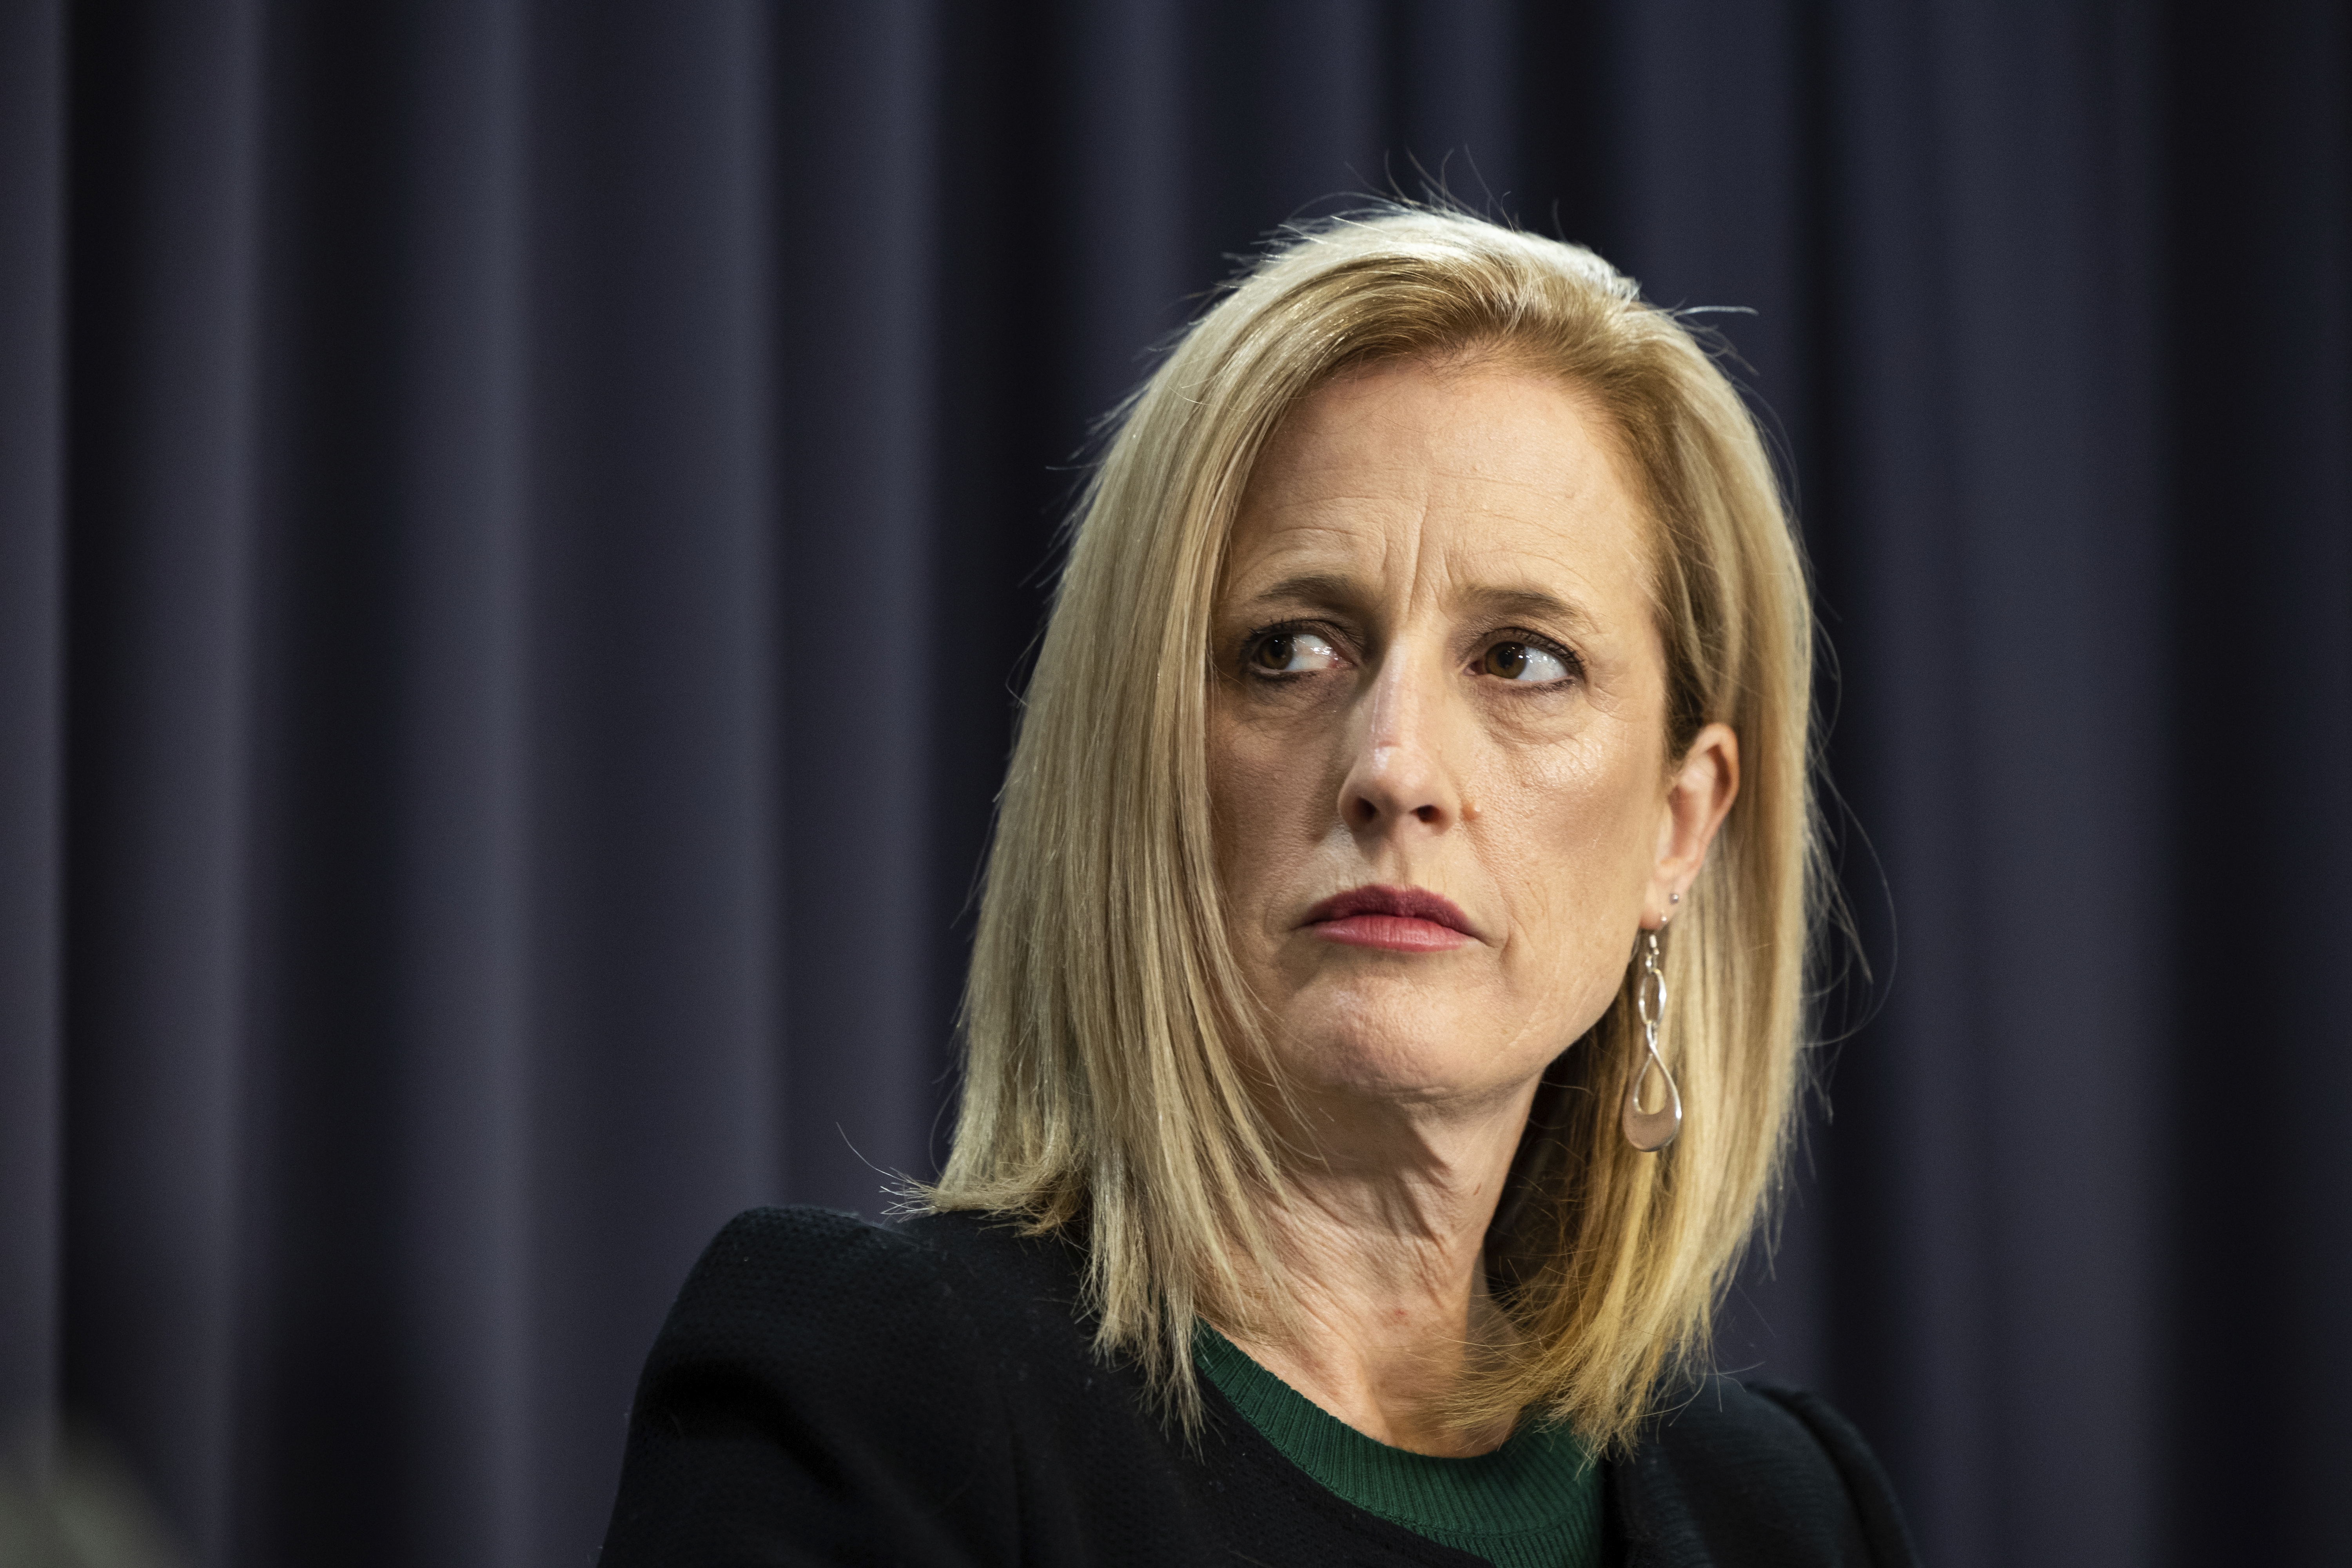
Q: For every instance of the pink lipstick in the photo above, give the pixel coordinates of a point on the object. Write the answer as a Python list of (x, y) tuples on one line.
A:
[(1397, 919)]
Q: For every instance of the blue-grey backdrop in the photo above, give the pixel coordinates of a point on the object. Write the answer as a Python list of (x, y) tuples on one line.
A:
[(517, 518)]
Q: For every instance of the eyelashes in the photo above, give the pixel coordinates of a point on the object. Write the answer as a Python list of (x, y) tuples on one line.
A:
[(1512, 656), (1285, 651), (1526, 662)]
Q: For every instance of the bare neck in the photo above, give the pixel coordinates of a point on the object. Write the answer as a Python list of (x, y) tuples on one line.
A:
[(1385, 1245)]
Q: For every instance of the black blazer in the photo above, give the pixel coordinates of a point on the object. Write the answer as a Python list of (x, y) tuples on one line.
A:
[(829, 1391)]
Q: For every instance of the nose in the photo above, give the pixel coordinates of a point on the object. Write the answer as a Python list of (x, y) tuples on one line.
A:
[(1398, 776)]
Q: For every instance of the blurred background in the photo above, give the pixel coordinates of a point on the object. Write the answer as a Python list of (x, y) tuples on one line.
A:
[(519, 528)]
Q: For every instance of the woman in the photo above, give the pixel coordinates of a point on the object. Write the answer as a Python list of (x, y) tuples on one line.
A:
[(1384, 1022)]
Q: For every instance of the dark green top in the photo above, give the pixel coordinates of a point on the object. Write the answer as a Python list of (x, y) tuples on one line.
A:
[(1534, 1502)]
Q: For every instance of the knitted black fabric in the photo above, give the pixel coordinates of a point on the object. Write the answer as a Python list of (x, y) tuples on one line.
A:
[(831, 1391)]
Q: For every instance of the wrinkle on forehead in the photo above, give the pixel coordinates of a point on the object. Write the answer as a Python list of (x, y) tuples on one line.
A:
[(1323, 494)]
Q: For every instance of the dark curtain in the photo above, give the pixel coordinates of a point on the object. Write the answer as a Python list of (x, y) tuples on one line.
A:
[(519, 527)]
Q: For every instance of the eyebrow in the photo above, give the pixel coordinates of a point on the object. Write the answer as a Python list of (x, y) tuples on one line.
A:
[(1534, 603), (1339, 591), (1311, 588)]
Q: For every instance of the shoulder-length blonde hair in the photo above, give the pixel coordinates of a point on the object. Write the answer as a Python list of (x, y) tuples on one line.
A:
[(1111, 1045)]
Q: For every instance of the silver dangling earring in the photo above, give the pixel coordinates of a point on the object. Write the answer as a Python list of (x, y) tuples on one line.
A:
[(1651, 1130)]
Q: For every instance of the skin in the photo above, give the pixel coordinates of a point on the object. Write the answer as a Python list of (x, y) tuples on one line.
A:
[(1437, 667)]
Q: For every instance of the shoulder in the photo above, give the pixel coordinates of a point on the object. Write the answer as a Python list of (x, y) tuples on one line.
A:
[(1753, 1474), (808, 1262), (768, 1262), (824, 1304), (807, 1284), (829, 1383)]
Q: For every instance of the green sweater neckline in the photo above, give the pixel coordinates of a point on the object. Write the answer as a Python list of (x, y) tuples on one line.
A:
[(1534, 1502)]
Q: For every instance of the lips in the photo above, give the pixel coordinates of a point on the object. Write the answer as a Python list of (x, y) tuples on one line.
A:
[(1397, 919)]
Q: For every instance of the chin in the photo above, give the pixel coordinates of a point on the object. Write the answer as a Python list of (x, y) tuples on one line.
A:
[(1412, 1048)]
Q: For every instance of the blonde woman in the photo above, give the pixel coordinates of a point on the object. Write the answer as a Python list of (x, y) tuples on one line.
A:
[(1386, 1016)]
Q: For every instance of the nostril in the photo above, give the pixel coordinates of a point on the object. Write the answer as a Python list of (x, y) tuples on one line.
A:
[(1425, 813)]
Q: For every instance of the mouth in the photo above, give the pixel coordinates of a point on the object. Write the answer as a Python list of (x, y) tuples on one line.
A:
[(1396, 919)]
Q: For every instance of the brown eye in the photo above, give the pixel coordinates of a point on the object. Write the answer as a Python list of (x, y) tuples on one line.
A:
[(1291, 653), (1522, 662)]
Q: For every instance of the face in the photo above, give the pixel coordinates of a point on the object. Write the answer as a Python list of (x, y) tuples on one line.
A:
[(1437, 746)]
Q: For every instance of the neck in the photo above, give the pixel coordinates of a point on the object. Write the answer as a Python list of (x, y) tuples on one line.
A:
[(1385, 1241)]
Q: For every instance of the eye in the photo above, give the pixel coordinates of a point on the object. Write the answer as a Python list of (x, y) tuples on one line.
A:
[(1292, 653), (1525, 663)]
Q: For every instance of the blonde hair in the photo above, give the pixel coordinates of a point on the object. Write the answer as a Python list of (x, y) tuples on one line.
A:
[(1111, 1047)]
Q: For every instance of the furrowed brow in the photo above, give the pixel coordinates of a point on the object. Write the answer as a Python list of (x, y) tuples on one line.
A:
[(1533, 604), (1324, 589)]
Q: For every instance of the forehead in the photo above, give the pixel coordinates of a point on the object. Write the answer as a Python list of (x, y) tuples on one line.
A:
[(1467, 477)]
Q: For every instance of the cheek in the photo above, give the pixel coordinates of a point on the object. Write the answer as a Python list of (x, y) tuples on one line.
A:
[(1263, 789), (1572, 848)]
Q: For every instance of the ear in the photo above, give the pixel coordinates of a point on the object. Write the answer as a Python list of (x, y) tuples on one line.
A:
[(1698, 796)]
